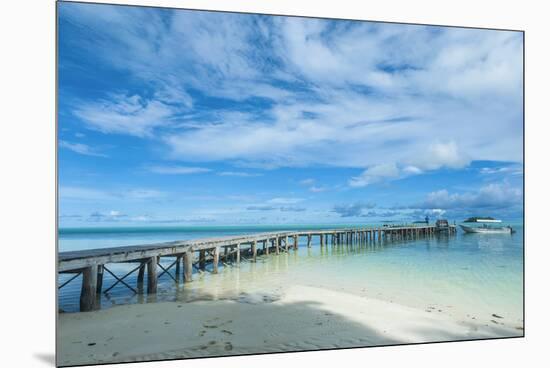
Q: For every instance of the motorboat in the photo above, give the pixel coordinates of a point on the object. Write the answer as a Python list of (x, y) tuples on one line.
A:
[(486, 227)]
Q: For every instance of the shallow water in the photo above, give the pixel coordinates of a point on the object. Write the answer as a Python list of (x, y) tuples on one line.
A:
[(466, 276)]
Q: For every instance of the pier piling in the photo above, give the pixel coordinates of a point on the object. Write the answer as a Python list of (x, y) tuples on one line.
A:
[(152, 275), (215, 259), (188, 265), (89, 288), (91, 263)]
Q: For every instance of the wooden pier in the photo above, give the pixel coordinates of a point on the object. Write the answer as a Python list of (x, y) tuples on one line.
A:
[(197, 254)]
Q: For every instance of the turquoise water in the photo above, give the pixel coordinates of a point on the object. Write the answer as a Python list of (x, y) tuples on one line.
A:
[(465, 275)]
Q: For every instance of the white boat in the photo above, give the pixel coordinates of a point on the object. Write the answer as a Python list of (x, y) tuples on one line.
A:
[(487, 229)]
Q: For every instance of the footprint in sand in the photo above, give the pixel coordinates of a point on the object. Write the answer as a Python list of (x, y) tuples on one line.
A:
[(228, 346)]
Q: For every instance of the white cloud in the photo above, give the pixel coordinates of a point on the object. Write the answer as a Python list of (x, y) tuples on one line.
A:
[(440, 155), (285, 200), (375, 94), (492, 196), (308, 181), (353, 210), (96, 195), (317, 189), (437, 155), (507, 170), (68, 192), (143, 194), (375, 174), (178, 170), (121, 114), (239, 173), (81, 148)]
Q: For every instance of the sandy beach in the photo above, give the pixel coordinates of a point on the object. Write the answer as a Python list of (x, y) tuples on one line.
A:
[(300, 318)]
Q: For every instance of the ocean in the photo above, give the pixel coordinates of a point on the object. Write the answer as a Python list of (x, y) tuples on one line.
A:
[(469, 276)]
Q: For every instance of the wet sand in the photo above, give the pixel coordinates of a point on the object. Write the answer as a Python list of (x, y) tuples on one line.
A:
[(299, 318)]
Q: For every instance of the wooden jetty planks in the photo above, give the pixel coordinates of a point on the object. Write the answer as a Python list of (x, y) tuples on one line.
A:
[(91, 262)]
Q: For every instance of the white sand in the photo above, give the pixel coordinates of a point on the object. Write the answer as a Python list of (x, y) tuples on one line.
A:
[(304, 318)]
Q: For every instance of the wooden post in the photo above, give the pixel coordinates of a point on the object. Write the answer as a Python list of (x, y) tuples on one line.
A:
[(188, 265), (152, 275), (295, 242), (267, 241), (309, 240), (178, 268), (141, 274), (276, 245), (286, 243), (238, 253), (322, 239), (254, 250), (202, 259), (216, 260), (99, 279), (89, 287)]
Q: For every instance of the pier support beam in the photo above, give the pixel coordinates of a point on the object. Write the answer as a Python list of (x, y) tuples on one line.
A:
[(286, 243), (238, 260), (215, 260), (267, 245), (178, 268), (321, 239), (309, 241), (277, 245), (89, 287), (202, 259), (152, 275), (254, 250), (188, 266), (99, 279), (140, 277)]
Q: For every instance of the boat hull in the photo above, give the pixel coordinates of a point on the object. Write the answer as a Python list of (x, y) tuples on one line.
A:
[(486, 230)]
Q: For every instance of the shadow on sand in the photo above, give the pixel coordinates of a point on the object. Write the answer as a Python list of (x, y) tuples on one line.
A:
[(214, 326)]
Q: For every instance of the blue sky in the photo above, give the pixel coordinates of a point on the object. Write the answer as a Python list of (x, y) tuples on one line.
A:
[(174, 117)]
